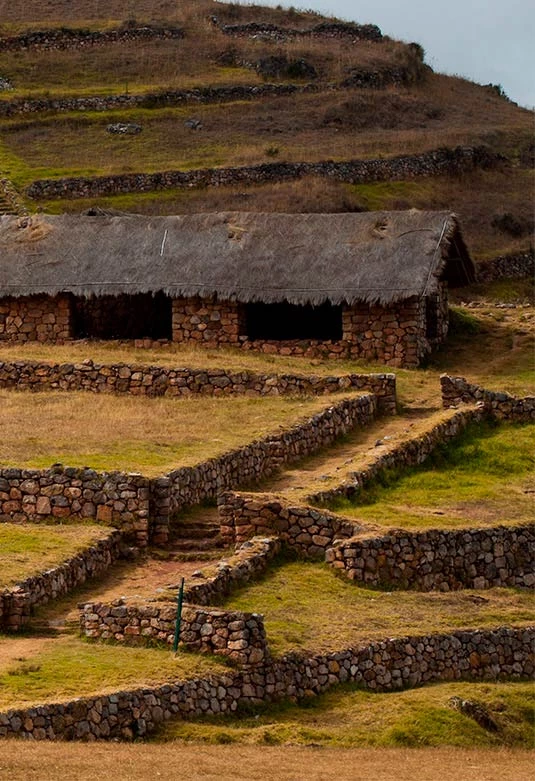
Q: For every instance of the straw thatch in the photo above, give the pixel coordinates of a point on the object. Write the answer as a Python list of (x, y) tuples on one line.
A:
[(301, 258)]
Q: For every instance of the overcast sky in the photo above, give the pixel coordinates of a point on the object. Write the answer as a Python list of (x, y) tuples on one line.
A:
[(488, 41)]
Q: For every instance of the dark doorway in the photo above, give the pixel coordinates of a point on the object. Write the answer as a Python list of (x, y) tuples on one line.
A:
[(431, 317), (290, 321), (138, 316)]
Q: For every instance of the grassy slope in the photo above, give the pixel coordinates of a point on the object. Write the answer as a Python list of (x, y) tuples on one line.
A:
[(151, 436), (28, 550), (485, 477), (306, 606), (352, 123)]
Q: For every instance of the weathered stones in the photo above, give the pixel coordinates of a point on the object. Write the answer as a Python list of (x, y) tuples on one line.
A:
[(381, 666), (457, 391)]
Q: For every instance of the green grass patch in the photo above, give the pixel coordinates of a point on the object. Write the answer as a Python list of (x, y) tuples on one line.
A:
[(485, 476), (59, 669), (349, 717), (30, 549), (306, 606)]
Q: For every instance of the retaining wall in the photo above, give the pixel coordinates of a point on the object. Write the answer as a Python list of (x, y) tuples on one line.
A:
[(17, 602), (507, 266), (433, 163), (441, 560), (111, 498), (408, 453), (503, 406), (307, 530), (78, 38), (142, 380), (380, 666), (351, 30), (193, 485), (237, 636)]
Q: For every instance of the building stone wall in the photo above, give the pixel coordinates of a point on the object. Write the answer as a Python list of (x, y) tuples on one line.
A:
[(36, 319), (209, 321), (18, 602), (388, 665)]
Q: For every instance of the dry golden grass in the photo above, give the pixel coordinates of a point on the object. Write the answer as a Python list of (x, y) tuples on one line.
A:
[(48, 762), (30, 549), (151, 436)]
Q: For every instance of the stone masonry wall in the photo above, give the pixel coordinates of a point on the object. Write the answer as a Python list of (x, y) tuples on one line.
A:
[(206, 321), (434, 163), (440, 560), (408, 453), (143, 380), (193, 485), (17, 602), (78, 38), (386, 665), (507, 266), (456, 390), (307, 530), (239, 637), (111, 498), (36, 319)]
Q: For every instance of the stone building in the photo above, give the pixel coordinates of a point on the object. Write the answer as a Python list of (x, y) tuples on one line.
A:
[(371, 285)]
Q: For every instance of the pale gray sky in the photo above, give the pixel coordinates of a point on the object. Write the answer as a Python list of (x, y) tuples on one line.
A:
[(488, 41)]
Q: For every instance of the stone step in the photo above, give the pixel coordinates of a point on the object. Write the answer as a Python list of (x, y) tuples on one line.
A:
[(194, 531), (196, 544)]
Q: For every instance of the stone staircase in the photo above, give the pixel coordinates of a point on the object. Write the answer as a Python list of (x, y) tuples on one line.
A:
[(10, 201), (196, 533)]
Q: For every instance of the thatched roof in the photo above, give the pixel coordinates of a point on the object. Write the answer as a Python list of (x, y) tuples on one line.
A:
[(301, 258)]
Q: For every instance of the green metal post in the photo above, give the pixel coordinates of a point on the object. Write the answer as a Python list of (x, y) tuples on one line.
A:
[(178, 615)]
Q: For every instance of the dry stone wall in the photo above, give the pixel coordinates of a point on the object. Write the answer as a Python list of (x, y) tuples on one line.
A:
[(265, 30), (143, 380), (507, 266), (193, 485), (440, 560), (386, 665), (17, 602), (408, 453), (239, 637), (307, 530), (457, 390), (433, 163), (111, 498), (35, 319), (77, 38)]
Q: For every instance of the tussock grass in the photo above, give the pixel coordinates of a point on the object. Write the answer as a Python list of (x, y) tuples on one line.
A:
[(69, 667), (30, 549), (485, 477), (151, 436), (352, 718), (306, 606)]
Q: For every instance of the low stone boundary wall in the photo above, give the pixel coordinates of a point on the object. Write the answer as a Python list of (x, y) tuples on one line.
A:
[(385, 665), (248, 563), (79, 38), (457, 390), (507, 266), (142, 380), (443, 560), (307, 530), (193, 485), (17, 602), (408, 453), (111, 498), (237, 636), (433, 163), (352, 30)]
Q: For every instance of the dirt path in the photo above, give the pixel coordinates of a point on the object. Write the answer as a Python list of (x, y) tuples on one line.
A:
[(333, 465)]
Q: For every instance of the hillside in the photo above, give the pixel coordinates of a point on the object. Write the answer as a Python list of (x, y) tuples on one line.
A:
[(205, 85)]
